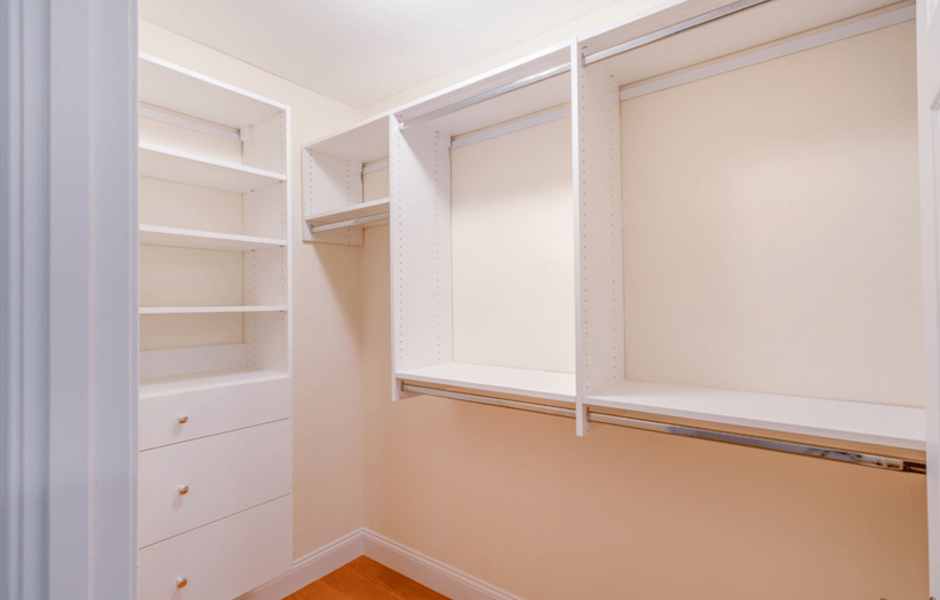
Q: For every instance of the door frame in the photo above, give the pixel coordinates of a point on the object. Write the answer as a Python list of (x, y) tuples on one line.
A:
[(68, 299)]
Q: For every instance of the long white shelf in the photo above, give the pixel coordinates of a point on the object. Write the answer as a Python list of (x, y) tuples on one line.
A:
[(356, 211), (185, 167), (175, 310), (174, 88), (896, 426), (160, 386), (156, 235), (522, 382)]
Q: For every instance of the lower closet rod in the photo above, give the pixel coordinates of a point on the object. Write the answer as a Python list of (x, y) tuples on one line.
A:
[(856, 458)]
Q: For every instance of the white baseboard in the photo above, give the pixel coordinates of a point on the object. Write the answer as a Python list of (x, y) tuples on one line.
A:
[(441, 578)]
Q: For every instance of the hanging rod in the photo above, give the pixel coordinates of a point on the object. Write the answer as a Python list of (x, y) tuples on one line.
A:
[(350, 223), (814, 451), (665, 32), (483, 97), (180, 120)]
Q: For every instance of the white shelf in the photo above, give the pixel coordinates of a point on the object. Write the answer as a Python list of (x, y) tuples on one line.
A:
[(521, 382), (355, 211), (176, 310), (364, 142), (155, 235), (174, 88), (550, 93), (897, 426), (184, 167), (160, 386)]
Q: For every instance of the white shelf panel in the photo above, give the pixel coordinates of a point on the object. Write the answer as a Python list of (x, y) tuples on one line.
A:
[(355, 211), (161, 386), (181, 90), (520, 382), (551, 93), (897, 426), (174, 310), (184, 167), (365, 142), (155, 235)]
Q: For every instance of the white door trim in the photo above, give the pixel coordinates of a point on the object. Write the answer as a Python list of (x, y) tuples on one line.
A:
[(68, 299)]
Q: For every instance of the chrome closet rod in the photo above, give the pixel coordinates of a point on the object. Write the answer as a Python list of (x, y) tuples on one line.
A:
[(752, 441), (649, 38), (349, 223), (483, 97)]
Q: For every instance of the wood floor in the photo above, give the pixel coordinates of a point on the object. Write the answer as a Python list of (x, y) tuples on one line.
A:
[(365, 579)]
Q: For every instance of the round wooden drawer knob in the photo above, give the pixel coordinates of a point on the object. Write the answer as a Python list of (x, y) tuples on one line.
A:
[(181, 582), (183, 418), (183, 490)]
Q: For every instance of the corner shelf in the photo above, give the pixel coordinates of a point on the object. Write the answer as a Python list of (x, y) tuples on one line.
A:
[(375, 211), (155, 235), (185, 167), (547, 385), (176, 310)]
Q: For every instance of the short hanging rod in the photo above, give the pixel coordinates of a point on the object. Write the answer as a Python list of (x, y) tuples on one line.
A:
[(665, 32), (814, 451), (483, 97), (350, 223)]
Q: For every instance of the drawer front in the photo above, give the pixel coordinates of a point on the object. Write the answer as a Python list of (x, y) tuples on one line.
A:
[(224, 474), (211, 411), (222, 560)]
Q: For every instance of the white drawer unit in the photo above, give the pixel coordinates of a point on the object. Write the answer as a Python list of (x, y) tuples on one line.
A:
[(184, 486), (190, 414), (222, 560), (214, 411)]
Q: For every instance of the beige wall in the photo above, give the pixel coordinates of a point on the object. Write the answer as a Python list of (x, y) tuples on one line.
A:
[(326, 319)]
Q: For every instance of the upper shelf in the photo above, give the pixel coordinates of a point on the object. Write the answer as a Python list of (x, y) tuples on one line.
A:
[(181, 90), (184, 167), (501, 380), (348, 213), (530, 85), (155, 235), (896, 426), (364, 142), (758, 25)]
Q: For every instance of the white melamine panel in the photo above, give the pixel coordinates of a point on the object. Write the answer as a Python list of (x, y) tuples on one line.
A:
[(356, 211), (771, 235), (155, 235), (265, 277), (171, 87), (194, 382), (420, 222), (265, 212), (513, 250), (239, 399), (529, 66), (898, 426), (362, 143), (164, 332), (376, 185), (331, 183), (224, 474), (171, 310), (185, 167), (171, 204), (222, 560), (599, 249), (164, 363), (267, 340), (521, 382)]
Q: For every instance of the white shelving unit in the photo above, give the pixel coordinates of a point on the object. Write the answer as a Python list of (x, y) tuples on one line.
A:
[(587, 79), (215, 211), (338, 201)]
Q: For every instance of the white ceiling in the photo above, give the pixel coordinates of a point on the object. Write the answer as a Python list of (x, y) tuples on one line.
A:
[(361, 52)]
